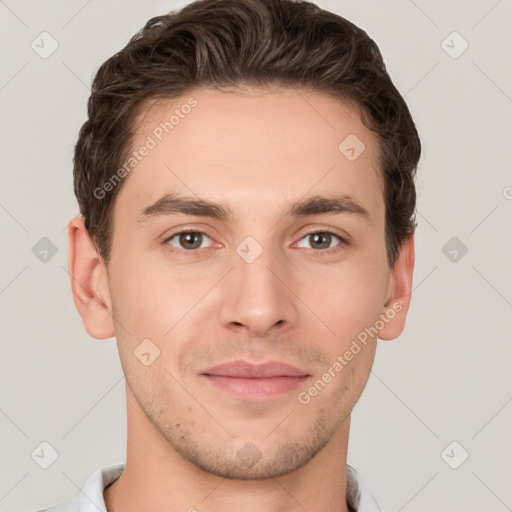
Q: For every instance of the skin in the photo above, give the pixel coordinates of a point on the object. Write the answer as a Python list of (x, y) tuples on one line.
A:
[(189, 443)]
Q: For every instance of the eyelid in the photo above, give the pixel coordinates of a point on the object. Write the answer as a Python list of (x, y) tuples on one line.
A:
[(345, 237)]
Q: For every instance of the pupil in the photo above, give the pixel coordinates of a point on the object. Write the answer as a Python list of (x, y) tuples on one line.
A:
[(188, 238), (319, 236)]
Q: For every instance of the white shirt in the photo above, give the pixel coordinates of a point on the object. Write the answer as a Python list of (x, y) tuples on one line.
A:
[(359, 496)]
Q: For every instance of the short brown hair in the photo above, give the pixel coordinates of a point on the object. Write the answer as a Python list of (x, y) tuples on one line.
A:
[(226, 44)]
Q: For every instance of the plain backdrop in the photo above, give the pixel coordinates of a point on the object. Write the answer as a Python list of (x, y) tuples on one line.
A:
[(438, 394)]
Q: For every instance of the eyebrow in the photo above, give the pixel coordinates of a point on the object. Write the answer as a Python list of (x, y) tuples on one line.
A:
[(173, 204)]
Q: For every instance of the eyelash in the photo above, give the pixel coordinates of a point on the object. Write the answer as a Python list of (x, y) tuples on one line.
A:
[(343, 242)]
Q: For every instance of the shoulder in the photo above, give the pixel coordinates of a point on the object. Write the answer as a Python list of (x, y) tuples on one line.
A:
[(90, 498), (359, 495)]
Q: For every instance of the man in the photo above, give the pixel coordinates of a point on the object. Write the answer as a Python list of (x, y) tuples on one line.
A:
[(246, 188)]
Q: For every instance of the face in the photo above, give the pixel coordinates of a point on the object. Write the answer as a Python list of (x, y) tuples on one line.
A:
[(281, 268)]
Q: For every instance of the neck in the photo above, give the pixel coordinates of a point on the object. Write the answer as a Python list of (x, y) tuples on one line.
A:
[(156, 477)]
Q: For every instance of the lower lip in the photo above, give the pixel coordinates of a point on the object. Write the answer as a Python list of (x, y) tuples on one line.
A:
[(256, 388)]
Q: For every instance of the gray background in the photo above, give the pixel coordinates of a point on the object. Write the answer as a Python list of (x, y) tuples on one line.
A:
[(446, 379)]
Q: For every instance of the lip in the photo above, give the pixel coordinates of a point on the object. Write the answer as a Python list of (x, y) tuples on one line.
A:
[(245, 369), (246, 380)]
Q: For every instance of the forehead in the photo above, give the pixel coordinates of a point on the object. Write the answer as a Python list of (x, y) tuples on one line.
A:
[(255, 147)]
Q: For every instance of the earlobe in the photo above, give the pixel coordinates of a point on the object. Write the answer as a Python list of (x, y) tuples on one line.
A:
[(400, 288), (89, 282)]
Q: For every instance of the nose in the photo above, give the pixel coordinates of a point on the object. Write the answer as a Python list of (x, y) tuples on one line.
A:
[(259, 297)]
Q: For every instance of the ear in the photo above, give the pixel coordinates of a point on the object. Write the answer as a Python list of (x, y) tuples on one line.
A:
[(398, 296), (89, 282)]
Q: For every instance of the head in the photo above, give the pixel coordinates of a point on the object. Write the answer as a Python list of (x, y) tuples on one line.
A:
[(280, 122)]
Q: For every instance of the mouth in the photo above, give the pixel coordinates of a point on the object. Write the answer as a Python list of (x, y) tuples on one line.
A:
[(247, 380)]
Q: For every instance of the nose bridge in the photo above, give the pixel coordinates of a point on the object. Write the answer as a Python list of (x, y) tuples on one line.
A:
[(257, 297)]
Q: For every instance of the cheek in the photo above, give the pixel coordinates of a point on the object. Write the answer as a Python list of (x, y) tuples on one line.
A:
[(347, 298), (149, 297)]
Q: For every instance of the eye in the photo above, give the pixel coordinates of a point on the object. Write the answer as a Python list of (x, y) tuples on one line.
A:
[(188, 240), (321, 241)]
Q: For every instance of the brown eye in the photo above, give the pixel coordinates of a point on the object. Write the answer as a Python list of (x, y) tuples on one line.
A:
[(321, 241), (188, 240)]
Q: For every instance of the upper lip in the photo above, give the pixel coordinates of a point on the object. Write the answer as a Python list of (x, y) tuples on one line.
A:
[(245, 369)]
